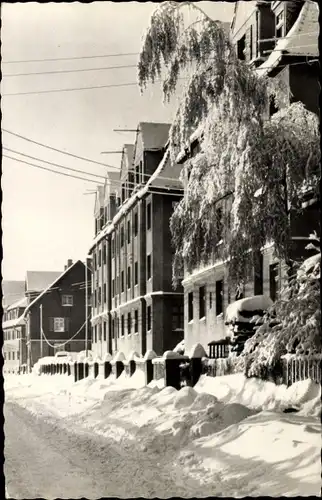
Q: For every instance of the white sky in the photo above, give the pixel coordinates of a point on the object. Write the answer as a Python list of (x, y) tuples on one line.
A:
[(46, 217)]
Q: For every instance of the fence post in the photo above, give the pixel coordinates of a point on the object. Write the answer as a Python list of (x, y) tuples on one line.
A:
[(148, 366), (196, 354), (172, 362)]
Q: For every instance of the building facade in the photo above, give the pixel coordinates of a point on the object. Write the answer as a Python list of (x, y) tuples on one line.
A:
[(134, 306), (279, 40), (56, 317), (14, 337)]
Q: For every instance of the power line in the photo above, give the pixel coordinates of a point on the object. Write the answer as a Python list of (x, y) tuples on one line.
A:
[(70, 70), (72, 58), (73, 89), (54, 164), (59, 150), (50, 170)]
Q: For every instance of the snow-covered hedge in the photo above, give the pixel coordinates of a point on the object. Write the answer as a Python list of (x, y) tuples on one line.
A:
[(295, 328)]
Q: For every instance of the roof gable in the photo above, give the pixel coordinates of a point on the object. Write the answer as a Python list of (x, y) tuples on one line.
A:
[(127, 159), (11, 292), (53, 284), (37, 281)]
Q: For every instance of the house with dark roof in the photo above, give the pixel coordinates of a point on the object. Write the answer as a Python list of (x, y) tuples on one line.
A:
[(55, 315), (134, 306)]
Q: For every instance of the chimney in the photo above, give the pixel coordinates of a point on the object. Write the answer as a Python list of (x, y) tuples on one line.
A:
[(65, 267), (69, 263)]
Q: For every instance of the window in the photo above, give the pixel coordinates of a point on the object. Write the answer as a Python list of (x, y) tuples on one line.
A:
[(113, 288), (190, 306), (137, 174), (67, 300), (279, 25), (58, 324), (104, 253), (99, 298), (129, 323), (13, 355), (202, 305), (250, 43), (258, 275), (113, 328), (113, 246), (104, 293), (18, 355), (99, 333), (122, 236), (136, 224), (9, 355), (141, 172), (148, 267), (129, 277), (148, 216), (219, 221), (241, 45), (100, 258), (273, 281), (122, 326), (210, 300), (148, 318), (94, 261), (219, 297), (136, 278), (122, 281), (136, 321), (177, 317), (128, 231)]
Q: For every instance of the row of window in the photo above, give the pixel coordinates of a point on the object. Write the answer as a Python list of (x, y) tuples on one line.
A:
[(12, 335), (100, 257), (13, 314), (202, 301), (219, 292), (11, 355), (241, 43)]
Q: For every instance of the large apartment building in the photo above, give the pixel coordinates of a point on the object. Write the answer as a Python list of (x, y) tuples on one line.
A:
[(280, 40), (134, 306)]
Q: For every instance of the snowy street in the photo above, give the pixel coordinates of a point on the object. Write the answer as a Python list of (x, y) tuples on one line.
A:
[(118, 438), (45, 460)]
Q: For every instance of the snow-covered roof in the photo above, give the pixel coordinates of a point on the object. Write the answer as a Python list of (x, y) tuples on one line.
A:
[(11, 292), (255, 303), (55, 281), (302, 38), (154, 135), (37, 281), (20, 303), (164, 167), (10, 323)]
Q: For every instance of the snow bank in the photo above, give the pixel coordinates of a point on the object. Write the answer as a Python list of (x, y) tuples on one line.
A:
[(256, 303), (185, 397), (256, 393), (179, 347)]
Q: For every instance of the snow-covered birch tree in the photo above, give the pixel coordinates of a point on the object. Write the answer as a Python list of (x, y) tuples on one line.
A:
[(261, 163)]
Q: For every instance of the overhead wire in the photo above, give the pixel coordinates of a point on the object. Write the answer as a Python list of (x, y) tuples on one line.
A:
[(79, 70), (51, 170), (59, 150), (52, 163), (72, 58)]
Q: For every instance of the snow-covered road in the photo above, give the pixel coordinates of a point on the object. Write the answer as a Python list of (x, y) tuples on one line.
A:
[(45, 460), (228, 436)]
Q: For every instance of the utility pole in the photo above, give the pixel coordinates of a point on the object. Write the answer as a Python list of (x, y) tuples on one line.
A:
[(41, 334)]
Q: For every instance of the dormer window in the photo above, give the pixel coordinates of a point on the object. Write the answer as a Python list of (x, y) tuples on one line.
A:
[(241, 46), (279, 25)]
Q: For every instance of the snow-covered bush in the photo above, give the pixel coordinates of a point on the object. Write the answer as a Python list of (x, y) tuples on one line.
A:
[(292, 325)]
